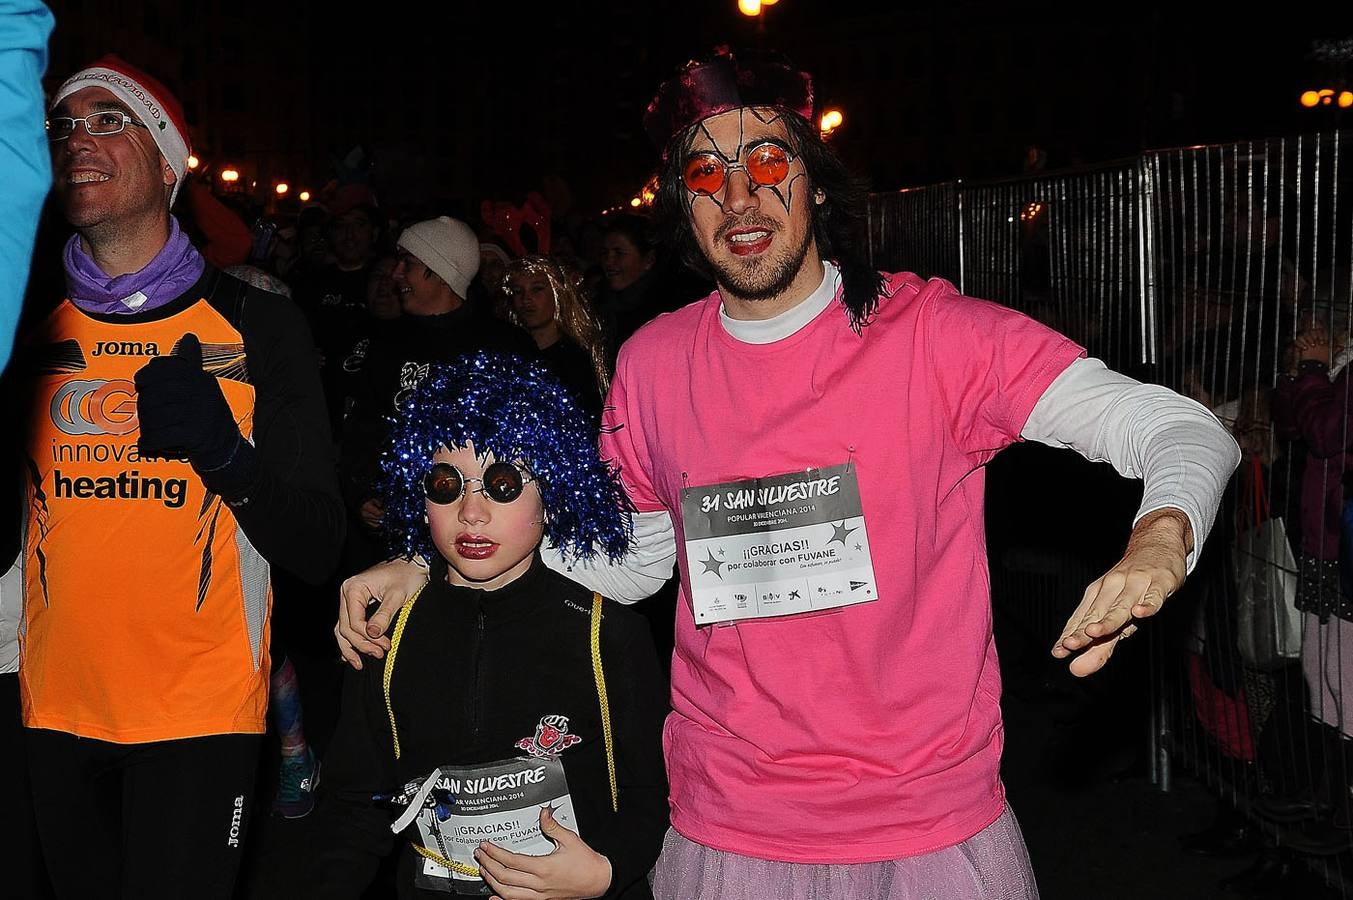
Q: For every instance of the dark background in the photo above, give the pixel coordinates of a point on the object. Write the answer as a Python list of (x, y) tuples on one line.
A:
[(460, 102), (456, 103)]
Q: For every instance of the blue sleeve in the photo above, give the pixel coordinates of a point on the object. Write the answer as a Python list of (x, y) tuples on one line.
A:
[(24, 28)]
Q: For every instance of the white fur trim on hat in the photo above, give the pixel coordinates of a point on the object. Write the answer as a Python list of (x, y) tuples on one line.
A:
[(168, 135), (448, 247)]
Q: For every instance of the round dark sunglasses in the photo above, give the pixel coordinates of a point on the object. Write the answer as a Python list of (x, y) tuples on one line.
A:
[(502, 483)]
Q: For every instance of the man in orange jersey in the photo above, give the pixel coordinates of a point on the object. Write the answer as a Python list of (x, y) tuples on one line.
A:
[(177, 444)]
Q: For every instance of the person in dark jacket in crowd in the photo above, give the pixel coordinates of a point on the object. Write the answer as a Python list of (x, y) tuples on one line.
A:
[(334, 296), (500, 668), (637, 287), (1311, 403)]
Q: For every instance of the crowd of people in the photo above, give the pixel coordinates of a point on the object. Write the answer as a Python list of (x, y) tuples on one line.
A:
[(1270, 657), (497, 450)]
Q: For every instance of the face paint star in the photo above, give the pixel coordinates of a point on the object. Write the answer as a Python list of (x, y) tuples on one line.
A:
[(839, 533), (712, 565)]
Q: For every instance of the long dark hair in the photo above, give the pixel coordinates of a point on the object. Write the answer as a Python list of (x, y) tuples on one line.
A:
[(838, 222)]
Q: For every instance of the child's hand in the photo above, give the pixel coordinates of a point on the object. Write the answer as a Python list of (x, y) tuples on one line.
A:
[(572, 871)]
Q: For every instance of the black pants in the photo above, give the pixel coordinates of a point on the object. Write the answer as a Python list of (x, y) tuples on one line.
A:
[(23, 868), (163, 819)]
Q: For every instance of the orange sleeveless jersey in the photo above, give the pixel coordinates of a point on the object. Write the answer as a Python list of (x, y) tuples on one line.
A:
[(146, 607)]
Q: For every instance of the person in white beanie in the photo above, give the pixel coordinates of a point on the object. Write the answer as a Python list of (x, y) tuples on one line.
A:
[(437, 260), (446, 247)]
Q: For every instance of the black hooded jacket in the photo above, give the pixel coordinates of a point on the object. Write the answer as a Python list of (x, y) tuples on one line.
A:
[(476, 671)]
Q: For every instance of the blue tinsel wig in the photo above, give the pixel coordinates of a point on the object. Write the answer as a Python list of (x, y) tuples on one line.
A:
[(516, 410)]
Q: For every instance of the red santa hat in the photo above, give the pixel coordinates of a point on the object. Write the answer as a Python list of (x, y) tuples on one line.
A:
[(149, 100)]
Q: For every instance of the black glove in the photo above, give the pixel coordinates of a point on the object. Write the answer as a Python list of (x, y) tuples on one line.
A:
[(184, 415)]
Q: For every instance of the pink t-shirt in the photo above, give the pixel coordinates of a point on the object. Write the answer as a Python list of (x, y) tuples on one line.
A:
[(869, 732)]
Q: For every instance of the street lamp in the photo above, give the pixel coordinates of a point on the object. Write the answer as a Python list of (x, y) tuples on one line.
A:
[(649, 192), (755, 9), (229, 175), (193, 161), (830, 121), (282, 188), (304, 196), (1327, 97)]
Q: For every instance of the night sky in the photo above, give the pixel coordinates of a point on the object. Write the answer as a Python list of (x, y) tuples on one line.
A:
[(457, 103)]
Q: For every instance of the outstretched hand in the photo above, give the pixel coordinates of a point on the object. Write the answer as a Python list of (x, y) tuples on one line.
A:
[(1152, 569)]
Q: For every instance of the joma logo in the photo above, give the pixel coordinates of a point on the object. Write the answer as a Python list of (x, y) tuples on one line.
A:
[(125, 348), (236, 818)]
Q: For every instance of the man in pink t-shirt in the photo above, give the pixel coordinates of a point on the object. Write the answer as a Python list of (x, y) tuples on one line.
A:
[(808, 444)]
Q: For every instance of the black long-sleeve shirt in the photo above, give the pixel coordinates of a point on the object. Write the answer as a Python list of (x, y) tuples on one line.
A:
[(572, 364), (295, 513), (477, 671)]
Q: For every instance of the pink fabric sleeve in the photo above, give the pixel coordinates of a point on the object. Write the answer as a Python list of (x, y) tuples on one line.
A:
[(991, 364), (623, 445)]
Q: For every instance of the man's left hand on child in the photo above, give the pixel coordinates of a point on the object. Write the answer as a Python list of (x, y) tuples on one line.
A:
[(572, 871)]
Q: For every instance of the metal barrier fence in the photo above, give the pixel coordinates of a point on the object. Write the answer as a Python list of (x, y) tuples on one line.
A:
[(1199, 268), (1061, 247)]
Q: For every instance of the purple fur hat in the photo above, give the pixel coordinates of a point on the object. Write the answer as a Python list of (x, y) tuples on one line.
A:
[(705, 88)]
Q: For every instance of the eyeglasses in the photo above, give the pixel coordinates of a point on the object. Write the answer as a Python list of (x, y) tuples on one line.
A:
[(767, 164), (100, 124), (502, 483)]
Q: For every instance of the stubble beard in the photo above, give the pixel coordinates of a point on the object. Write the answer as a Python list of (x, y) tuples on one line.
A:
[(113, 221), (761, 278)]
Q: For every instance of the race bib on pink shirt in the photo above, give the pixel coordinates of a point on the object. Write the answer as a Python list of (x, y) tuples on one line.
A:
[(779, 545)]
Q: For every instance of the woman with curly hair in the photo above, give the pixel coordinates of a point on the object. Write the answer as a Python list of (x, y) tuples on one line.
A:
[(545, 297)]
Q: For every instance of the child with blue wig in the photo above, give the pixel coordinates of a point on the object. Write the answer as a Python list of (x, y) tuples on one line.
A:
[(512, 733)]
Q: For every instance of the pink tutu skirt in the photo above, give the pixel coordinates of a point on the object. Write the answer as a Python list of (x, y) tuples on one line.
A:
[(991, 865)]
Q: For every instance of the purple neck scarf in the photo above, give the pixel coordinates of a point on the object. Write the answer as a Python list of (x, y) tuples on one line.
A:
[(174, 269)]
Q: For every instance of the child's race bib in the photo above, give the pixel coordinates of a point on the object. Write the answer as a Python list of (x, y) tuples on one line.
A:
[(458, 807)]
